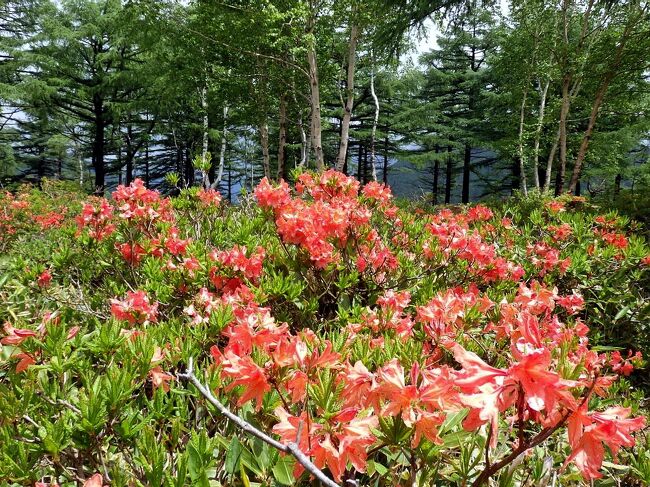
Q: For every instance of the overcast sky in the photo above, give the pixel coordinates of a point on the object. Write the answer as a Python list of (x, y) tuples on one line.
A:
[(429, 41)]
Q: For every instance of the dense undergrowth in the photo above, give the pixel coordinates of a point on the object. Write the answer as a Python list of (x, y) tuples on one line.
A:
[(397, 345)]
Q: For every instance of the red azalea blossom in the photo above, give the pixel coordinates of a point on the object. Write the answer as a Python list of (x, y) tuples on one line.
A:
[(44, 279), (209, 197), (136, 308), (246, 373), (131, 252), (617, 240), (16, 336), (589, 431), (53, 219), (555, 206), (98, 219), (95, 481), (378, 192), (159, 378)]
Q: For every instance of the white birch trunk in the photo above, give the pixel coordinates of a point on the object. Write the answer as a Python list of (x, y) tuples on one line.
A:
[(347, 114), (204, 148), (316, 135), (222, 152), (522, 164), (373, 160), (303, 140), (538, 132)]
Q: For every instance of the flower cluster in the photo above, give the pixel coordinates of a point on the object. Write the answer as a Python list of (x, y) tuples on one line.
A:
[(372, 337), (136, 202), (453, 240), (540, 384), (209, 197), (236, 260), (97, 218), (135, 308), (329, 219), (14, 338)]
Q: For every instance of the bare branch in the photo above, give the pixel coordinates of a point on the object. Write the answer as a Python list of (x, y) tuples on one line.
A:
[(290, 448)]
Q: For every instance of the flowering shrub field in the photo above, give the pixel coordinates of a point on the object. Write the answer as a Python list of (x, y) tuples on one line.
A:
[(382, 344)]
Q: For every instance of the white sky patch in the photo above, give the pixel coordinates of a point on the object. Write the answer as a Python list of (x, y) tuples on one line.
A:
[(432, 31)]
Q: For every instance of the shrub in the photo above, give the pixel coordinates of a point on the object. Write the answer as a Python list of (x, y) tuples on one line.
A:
[(393, 345)]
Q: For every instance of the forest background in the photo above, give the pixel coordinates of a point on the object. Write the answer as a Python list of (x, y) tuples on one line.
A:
[(495, 97)]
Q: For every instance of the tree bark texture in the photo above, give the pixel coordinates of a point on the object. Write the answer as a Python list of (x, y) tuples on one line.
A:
[(349, 102)]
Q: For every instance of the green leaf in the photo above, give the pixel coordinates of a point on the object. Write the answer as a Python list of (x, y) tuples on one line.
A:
[(621, 313), (380, 469), (453, 420), (233, 456), (244, 477), (283, 471)]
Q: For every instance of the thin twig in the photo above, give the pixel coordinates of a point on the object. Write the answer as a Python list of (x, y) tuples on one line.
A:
[(290, 448), (63, 402), (527, 445), (27, 418)]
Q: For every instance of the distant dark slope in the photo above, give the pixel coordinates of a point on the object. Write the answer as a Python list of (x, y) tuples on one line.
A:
[(489, 177)]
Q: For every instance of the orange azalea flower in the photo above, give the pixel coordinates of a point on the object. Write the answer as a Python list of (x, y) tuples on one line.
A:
[(16, 336), (248, 374), (26, 361), (589, 431), (94, 481), (160, 378), (359, 385), (136, 308)]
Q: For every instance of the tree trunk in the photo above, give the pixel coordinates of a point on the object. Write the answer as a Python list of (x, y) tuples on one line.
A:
[(436, 168), (360, 163), (349, 102), (189, 167), (222, 152), (81, 165), (205, 140), (229, 183), (586, 138), (98, 145), (365, 165), (309, 140), (316, 137), (340, 120), (303, 140), (448, 176), (564, 112), (179, 164), (522, 165), (301, 128), (549, 162), (282, 137), (538, 132), (146, 162), (129, 154), (466, 173), (373, 137), (119, 166), (617, 184), (264, 142), (516, 175), (600, 96), (385, 169), (575, 89)]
